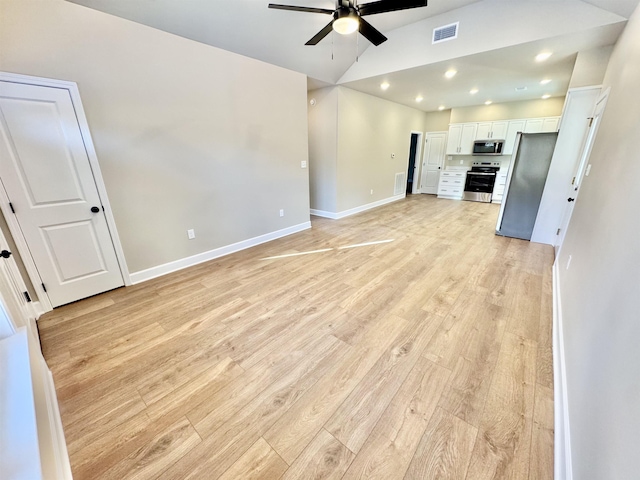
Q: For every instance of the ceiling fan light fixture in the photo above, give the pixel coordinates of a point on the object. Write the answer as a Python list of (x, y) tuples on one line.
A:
[(346, 22)]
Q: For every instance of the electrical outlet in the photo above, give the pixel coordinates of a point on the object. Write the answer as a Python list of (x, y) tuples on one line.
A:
[(371, 193), (461, 162), (588, 171), (393, 155), (303, 164), (569, 262), (281, 212), (191, 234)]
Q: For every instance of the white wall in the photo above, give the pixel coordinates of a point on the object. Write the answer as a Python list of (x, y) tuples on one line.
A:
[(187, 135), (351, 138), (600, 291), (590, 67), (370, 129), (323, 149)]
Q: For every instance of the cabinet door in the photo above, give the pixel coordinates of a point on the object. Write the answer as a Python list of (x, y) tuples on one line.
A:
[(455, 133), (484, 131), (499, 130), (550, 124), (467, 137), (534, 125), (514, 127)]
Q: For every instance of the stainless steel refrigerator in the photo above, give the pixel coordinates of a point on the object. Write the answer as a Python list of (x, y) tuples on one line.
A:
[(525, 183)]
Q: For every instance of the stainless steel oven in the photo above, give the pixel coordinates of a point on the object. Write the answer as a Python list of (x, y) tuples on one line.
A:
[(480, 181)]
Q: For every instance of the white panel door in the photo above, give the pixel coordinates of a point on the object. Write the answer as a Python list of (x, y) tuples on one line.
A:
[(45, 171), (433, 159)]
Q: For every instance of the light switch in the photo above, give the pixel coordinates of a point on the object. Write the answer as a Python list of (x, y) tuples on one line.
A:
[(303, 164)]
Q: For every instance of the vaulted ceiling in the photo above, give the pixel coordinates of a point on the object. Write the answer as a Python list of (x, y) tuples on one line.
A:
[(497, 41)]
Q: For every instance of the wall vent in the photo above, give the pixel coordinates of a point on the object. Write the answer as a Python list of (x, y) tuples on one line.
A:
[(447, 32), (400, 184)]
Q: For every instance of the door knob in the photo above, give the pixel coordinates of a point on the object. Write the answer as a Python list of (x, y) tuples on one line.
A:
[(571, 199), (95, 209), (5, 254)]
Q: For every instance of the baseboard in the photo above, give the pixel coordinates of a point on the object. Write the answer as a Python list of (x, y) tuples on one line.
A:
[(562, 438), (37, 309), (353, 211), (154, 272)]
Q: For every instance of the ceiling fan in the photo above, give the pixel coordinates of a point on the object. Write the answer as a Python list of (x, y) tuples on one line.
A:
[(347, 17)]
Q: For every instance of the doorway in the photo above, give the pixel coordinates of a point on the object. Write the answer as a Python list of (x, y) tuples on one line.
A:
[(414, 163), (52, 194)]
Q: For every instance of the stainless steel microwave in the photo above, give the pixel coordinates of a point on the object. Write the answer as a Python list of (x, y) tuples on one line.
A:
[(488, 147)]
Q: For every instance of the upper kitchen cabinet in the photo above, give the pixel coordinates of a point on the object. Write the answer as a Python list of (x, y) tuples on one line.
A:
[(487, 130), (541, 125), (514, 127), (461, 138)]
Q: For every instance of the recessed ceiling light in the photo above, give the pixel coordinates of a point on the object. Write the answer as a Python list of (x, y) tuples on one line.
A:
[(545, 96), (441, 107), (488, 102), (450, 73), (541, 57), (384, 86), (473, 91), (545, 81), (419, 98)]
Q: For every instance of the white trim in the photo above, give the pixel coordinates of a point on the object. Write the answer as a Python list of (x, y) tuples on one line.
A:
[(37, 309), (76, 101), (562, 439), (353, 211), (153, 272)]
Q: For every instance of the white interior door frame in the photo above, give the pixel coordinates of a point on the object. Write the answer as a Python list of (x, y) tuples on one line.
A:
[(16, 232), (415, 188)]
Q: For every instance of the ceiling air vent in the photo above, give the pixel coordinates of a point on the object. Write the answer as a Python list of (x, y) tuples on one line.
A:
[(448, 32)]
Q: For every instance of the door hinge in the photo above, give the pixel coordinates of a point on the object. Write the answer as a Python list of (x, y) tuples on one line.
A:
[(558, 232), (44, 288), (590, 121), (11, 207), (26, 295)]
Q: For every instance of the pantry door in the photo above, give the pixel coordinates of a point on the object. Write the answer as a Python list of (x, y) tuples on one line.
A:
[(46, 174)]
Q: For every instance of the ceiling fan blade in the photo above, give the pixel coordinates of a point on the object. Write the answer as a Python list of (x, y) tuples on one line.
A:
[(300, 9), (389, 6), (321, 34), (370, 33)]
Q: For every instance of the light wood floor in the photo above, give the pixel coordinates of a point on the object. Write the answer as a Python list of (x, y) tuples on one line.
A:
[(428, 357)]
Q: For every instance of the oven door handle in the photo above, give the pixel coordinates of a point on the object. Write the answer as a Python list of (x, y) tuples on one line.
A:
[(481, 173)]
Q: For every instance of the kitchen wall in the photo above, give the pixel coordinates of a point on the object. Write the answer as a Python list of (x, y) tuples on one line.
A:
[(365, 131), (187, 135), (600, 289), (551, 107)]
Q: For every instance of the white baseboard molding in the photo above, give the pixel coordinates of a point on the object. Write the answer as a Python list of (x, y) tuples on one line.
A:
[(154, 272), (562, 438), (38, 310), (353, 211)]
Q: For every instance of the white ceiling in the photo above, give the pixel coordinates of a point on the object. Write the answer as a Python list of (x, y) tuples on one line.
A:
[(492, 57)]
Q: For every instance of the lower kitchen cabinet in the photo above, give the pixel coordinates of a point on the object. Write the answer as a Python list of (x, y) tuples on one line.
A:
[(451, 185)]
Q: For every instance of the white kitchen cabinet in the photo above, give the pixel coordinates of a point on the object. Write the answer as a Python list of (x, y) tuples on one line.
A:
[(541, 125), (514, 127), (461, 137), (451, 185), (489, 130), (498, 188), (550, 124)]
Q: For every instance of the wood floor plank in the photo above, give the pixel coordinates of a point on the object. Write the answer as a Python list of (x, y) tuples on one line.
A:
[(259, 462), (325, 458), (243, 365), (445, 449), (541, 459)]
